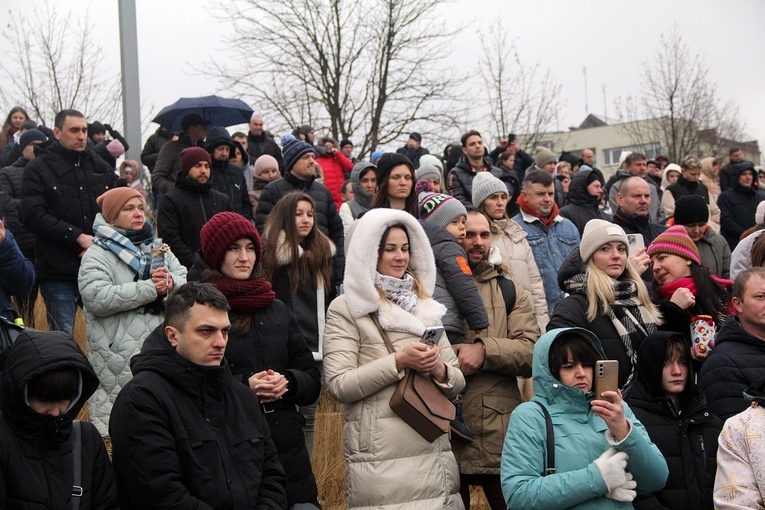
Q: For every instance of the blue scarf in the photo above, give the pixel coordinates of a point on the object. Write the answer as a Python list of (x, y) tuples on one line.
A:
[(131, 246)]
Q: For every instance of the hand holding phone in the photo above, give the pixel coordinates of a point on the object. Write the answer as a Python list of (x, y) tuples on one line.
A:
[(432, 335)]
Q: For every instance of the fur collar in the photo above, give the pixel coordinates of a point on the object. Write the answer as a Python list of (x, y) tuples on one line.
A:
[(361, 263)]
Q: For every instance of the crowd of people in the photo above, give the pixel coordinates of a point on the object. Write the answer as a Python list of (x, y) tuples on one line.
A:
[(227, 278)]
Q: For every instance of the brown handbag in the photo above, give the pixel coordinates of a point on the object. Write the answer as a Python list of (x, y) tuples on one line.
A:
[(418, 401)]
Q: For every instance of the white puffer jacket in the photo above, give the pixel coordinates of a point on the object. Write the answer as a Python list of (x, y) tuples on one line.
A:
[(116, 328), (388, 463)]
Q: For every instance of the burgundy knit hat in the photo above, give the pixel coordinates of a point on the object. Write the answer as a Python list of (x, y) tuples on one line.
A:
[(223, 230), (191, 156), (676, 241)]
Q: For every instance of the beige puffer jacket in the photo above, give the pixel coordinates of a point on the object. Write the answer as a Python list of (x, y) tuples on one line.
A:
[(388, 463), (492, 394), (510, 238)]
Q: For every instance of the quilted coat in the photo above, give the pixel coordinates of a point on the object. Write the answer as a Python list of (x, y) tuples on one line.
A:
[(388, 464), (116, 324)]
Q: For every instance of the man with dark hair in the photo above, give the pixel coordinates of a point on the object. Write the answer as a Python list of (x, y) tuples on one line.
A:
[(225, 177), (635, 167), (689, 183), (551, 236), (169, 159), (493, 361), (58, 204), (738, 357), (346, 147), (735, 156), (300, 162), (413, 149), (260, 142), (459, 183), (185, 433)]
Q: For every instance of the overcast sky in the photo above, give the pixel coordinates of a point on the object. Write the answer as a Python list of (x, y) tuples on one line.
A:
[(612, 39)]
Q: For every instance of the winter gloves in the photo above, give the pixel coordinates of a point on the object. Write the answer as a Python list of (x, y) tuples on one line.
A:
[(612, 466)]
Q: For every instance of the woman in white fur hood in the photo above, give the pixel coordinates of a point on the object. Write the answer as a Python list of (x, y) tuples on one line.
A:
[(390, 272)]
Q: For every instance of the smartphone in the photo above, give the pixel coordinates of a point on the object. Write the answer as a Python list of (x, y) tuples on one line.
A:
[(432, 335), (606, 377), (635, 242)]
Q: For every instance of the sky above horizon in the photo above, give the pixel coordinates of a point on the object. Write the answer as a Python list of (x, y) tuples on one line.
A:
[(611, 39)]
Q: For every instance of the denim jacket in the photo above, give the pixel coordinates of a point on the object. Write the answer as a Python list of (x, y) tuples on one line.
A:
[(550, 248)]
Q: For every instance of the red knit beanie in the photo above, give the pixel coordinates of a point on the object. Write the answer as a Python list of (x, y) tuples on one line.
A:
[(223, 230), (676, 241), (191, 156)]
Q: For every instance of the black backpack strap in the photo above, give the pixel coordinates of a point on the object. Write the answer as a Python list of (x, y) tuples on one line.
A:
[(508, 293), (550, 460), (77, 456)]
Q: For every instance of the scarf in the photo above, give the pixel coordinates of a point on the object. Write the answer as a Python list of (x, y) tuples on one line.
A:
[(525, 207), (398, 290), (131, 246), (245, 297), (686, 281), (632, 321)]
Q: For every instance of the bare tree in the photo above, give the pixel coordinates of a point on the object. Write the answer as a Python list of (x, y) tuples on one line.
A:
[(677, 102), (363, 69), (52, 62), (522, 98)]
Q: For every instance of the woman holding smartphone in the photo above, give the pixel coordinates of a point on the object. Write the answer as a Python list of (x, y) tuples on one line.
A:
[(606, 295), (603, 455), (388, 462)]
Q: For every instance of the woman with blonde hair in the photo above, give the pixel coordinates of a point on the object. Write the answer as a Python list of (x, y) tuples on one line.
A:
[(606, 296), (710, 171)]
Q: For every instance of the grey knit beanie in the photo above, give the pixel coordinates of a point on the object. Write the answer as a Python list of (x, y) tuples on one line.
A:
[(485, 185), (543, 156), (427, 171), (596, 234), (439, 210)]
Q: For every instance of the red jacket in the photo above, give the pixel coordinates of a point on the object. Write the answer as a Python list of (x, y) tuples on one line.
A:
[(335, 166)]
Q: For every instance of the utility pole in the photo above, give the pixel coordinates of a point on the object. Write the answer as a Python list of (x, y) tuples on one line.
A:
[(586, 101), (131, 97)]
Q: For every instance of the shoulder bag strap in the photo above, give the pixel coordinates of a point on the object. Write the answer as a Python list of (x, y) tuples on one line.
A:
[(77, 456), (383, 334), (550, 440)]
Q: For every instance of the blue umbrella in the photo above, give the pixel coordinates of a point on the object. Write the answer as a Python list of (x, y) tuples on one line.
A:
[(218, 111)]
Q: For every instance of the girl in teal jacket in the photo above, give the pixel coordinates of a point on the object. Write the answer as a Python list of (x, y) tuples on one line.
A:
[(603, 455)]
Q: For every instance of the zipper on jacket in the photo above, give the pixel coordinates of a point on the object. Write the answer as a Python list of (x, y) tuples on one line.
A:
[(703, 452)]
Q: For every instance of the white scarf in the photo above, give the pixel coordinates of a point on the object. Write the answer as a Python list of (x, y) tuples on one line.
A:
[(398, 290)]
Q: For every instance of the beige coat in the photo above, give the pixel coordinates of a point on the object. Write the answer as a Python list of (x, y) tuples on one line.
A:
[(492, 394), (387, 462), (510, 238), (740, 480)]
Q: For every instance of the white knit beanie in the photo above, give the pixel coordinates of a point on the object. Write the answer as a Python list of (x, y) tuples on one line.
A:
[(485, 185), (596, 234)]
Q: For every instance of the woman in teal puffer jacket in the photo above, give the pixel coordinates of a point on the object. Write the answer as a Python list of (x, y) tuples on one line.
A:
[(603, 455)]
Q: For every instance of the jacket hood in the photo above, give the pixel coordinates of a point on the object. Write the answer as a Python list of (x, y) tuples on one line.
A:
[(217, 136), (738, 168), (577, 190), (650, 364), (360, 195), (756, 392), (572, 266), (245, 154), (362, 244), (36, 353), (546, 385)]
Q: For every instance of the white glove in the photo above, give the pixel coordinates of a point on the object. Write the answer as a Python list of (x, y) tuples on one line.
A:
[(626, 492), (612, 466)]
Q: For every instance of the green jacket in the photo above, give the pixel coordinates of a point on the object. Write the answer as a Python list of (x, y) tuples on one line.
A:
[(580, 438)]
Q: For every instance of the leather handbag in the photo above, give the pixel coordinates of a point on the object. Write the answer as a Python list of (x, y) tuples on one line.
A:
[(418, 401)]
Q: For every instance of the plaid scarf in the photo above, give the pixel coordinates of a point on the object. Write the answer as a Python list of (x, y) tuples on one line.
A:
[(121, 243), (632, 321)]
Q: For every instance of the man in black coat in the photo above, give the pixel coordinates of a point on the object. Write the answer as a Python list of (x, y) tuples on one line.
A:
[(185, 209), (169, 158), (259, 142), (738, 204), (735, 156), (413, 149), (300, 162), (58, 204), (185, 433), (459, 182), (738, 358), (226, 177)]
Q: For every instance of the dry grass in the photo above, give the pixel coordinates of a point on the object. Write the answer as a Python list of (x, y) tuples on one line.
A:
[(328, 462)]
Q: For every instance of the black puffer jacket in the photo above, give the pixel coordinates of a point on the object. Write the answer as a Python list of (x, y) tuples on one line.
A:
[(228, 179), (10, 182), (182, 214), (455, 287), (190, 436), (737, 361), (738, 206), (36, 456), (683, 187), (582, 207), (460, 179), (326, 216), (687, 437), (58, 203), (264, 144), (153, 145)]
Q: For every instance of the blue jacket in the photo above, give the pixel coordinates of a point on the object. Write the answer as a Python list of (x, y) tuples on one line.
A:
[(17, 273), (580, 438), (550, 247)]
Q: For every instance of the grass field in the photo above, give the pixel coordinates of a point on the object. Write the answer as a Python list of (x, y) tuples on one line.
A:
[(328, 463)]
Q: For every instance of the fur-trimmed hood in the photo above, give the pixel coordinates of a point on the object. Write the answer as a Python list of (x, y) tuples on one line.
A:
[(362, 242)]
